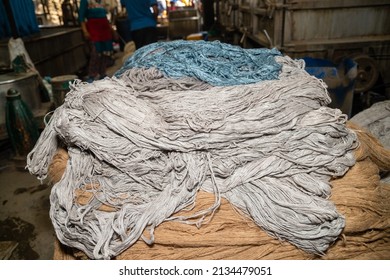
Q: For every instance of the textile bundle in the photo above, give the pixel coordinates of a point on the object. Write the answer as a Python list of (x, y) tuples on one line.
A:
[(144, 143), (358, 195), (376, 119)]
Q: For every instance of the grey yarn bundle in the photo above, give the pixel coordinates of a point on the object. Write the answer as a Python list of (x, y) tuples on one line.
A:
[(151, 143), (376, 120)]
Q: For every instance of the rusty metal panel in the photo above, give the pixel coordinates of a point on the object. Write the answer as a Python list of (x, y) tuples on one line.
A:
[(262, 21), (228, 13), (336, 25), (314, 25), (321, 4)]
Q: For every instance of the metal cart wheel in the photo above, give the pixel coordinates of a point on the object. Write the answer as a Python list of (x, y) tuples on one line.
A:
[(367, 72)]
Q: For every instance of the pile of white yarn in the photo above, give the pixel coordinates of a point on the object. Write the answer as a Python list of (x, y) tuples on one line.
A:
[(149, 143)]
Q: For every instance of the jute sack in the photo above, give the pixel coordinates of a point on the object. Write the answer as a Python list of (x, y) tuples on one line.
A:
[(358, 195)]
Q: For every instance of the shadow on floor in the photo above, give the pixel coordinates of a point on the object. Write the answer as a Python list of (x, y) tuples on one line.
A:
[(26, 232)]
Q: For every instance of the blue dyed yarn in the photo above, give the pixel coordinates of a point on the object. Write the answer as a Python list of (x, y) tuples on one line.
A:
[(216, 63)]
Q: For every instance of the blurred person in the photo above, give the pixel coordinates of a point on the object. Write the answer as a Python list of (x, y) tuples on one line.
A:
[(208, 13), (142, 15), (162, 6), (99, 32)]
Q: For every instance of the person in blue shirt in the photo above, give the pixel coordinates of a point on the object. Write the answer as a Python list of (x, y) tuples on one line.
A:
[(142, 16)]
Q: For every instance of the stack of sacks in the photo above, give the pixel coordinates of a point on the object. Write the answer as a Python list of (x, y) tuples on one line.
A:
[(185, 133)]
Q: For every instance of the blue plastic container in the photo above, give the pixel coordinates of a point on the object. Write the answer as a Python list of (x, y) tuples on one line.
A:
[(340, 79)]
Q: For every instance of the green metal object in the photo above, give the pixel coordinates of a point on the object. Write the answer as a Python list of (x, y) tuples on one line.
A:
[(21, 127)]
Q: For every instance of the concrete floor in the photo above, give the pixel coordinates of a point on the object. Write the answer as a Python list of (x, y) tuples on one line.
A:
[(26, 231)]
